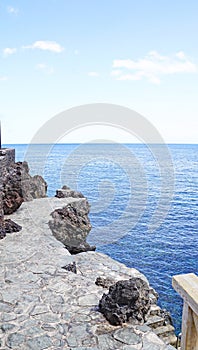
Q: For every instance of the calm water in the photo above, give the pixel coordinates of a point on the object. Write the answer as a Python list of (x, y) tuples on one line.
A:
[(123, 186)]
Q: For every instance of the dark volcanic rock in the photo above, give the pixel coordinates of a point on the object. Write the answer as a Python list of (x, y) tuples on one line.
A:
[(66, 192), (6, 226), (166, 316), (81, 248), (71, 225), (19, 186), (32, 187), (11, 226), (70, 267), (2, 224), (16, 185), (104, 282), (11, 202), (11, 188), (127, 301), (2, 229)]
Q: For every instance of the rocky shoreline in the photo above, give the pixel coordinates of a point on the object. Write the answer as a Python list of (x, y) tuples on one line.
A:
[(55, 289)]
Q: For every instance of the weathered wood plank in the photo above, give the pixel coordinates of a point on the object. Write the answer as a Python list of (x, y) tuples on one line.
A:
[(189, 339), (187, 286)]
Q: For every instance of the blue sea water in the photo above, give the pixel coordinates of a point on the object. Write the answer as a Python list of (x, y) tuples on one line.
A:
[(123, 185)]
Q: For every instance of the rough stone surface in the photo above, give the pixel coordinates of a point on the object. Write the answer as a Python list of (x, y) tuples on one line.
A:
[(2, 223), (71, 225), (126, 336), (127, 301), (66, 192), (44, 306), (19, 186), (71, 267), (11, 226), (104, 282), (16, 185), (2, 229)]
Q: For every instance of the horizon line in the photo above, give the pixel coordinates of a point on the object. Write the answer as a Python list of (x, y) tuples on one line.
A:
[(98, 143)]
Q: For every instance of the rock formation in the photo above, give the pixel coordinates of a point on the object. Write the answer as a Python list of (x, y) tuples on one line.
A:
[(104, 282), (71, 225), (16, 186), (2, 226), (11, 226), (71, 267), (127, 301), (66, 192), (19, 186)]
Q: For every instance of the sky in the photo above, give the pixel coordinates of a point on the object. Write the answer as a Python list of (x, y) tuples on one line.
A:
[(59, 54)]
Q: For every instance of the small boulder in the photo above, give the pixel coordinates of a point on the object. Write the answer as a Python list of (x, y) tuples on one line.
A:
[(71, 225), (104, 282), (66, 192), (127, 301), (71, 267), (82, 247)]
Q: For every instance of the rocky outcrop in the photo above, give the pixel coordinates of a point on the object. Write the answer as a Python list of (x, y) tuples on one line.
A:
[(16, 186), (19, 186), (2, 227), (71, 225), (127, 301), (67, 192), (33, 187)]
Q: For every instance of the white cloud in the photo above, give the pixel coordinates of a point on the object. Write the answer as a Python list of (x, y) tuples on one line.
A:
[(9, 51), (152, 67), (45, 68), (12, 10), (181, 55), (93, 74), (76, 52), (52, 46)]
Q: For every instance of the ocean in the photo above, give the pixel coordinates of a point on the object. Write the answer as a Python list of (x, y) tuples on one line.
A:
[(129, 187)]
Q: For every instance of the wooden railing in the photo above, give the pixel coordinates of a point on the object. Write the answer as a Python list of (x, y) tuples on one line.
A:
[(187, 287)]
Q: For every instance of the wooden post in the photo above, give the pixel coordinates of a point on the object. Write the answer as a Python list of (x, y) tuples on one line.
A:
[(187, 287)]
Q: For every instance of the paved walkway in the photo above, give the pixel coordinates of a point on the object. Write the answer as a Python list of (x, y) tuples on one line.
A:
[(43, 306)]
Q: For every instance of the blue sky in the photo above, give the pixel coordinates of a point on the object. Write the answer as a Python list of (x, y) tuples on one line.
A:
[(58, 54)]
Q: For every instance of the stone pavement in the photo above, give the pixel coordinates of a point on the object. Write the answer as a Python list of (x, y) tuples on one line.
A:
[(43, 306)]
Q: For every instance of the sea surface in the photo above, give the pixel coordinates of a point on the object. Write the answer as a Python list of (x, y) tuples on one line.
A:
[(144, 204)]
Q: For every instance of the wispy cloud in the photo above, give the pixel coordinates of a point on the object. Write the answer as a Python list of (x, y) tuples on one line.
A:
[(45, 68), (116, 72), (52, 46), (12, 10), (9, 51), (93, 74), (152, 67), (3, 78)]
